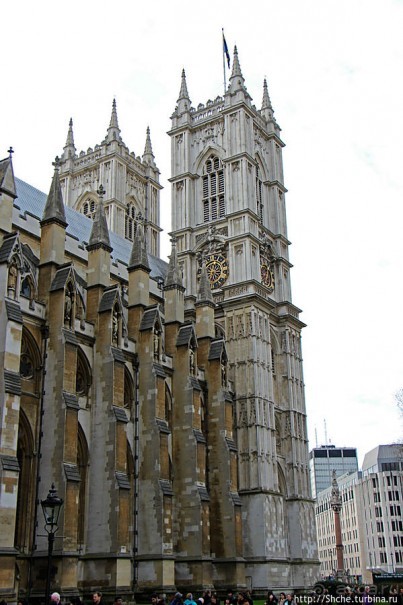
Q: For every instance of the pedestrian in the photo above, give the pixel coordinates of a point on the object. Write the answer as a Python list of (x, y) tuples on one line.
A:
[(207, 596), (231, 597), (289, 599), (271, 598), (367, 596), (97, 598), (282, 598), (189, 599), (55, 598), (215, 600), (177, 599)]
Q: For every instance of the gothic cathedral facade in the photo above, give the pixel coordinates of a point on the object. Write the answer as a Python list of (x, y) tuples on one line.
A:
[(165, 401)]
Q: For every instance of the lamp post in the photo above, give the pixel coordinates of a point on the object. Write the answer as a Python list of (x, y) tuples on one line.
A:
[(51, 507)]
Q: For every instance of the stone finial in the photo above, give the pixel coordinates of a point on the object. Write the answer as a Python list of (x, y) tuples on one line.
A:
[(139, 256), (99, 237), (204, 293), (174, 275), (10, 152), (54, 207)]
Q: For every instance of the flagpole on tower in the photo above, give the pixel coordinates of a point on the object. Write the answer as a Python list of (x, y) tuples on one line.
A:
[(225, 55)]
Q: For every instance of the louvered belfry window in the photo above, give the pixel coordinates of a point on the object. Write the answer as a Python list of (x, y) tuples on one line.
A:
[(88, 208), (213, 190)]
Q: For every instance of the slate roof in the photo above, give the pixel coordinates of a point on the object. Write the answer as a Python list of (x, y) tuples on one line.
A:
[(32, 201), (216, 349), (60, 278), (149, 318), (184, 335), (108, 300), (14, 311), (7, 246)]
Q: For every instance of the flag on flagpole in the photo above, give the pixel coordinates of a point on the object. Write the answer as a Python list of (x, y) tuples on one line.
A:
[(225, 49)]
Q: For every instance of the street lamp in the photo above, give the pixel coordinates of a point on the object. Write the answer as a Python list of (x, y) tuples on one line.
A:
[(51, 507)]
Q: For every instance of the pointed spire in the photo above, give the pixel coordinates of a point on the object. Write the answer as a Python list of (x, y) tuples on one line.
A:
[(99, 237), (69, 150), (236, 68), (139, 256), (267, 110), (113, 130), (236, 81), (183, 93), (7, 182), (54, 207), (204, 293), (266, 103), (148, 156), (174, 276), (183, 102)]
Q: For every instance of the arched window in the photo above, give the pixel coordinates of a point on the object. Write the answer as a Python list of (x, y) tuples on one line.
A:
[(213, 190), (168, 406), (83, 377), (130, 221), (27, 287), (26, 485), (129, 392), (82, 463), (30, 362), (88, 207)]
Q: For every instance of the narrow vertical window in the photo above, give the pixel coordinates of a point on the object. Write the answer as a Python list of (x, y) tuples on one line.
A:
[(259, 203), (213, 185)]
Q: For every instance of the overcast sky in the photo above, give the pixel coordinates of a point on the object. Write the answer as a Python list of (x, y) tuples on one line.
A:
[(334, 70)]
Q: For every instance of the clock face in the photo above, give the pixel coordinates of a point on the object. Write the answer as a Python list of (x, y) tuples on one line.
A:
[(267, 274), (217, 270)]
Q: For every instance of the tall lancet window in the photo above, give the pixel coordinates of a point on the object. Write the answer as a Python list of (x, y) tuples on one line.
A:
[(213, 190), (259, 199), (130, 221)]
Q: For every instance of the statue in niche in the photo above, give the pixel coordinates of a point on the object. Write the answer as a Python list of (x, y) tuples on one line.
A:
[(223, 373), (157, 334), (191, 360), (12, 280), (115, 326), (68, 306)]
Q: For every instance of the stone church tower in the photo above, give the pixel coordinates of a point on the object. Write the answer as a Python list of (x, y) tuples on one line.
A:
[(228, 212), (131, 183), (164, 400)]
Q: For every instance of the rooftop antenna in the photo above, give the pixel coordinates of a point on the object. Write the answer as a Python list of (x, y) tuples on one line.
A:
[(324, 423), (316, 436)]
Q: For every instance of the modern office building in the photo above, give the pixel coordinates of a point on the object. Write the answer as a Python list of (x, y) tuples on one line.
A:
[(324, 460), (371, 518)]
